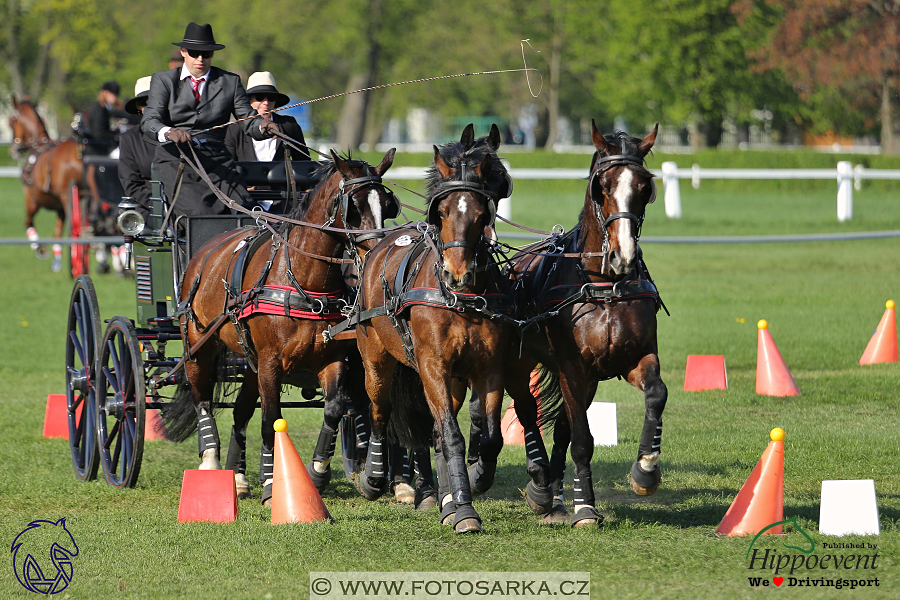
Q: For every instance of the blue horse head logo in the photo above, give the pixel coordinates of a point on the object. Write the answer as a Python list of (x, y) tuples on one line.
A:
[(42, 556)]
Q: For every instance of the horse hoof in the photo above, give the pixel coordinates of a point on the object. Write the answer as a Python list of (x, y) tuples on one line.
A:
[(404, 493), (644, 483), (320, 480), (427, 502), (368, 490), (539, 500), (448, 520), (241, 486), (558, 515), (587, 516), (470, 525)]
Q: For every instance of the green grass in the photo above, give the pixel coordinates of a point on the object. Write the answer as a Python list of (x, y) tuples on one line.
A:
[(822, 300)]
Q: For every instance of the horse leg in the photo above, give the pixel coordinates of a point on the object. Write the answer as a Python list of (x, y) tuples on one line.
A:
[(646, 473), (31, 208), (476, 423), (56, 265), (435, 381), (372, 482), (332, 381), (400, 475), (538, 492), (481, 473), (561, 437), (270, 395), (201, 373), (576, 403), (426, 494), (244, 407)]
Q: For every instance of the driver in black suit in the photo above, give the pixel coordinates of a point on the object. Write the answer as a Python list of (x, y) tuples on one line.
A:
[(185, 101)]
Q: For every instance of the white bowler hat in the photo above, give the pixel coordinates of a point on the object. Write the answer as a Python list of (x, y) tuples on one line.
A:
[(141, 90), (262, 82)]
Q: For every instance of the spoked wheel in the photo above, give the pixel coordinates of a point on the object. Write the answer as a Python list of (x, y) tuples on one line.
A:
[(121, 404), (82, 348), (78, 253)]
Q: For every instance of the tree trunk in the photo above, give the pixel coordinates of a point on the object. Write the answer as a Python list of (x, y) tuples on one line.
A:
[(352, 125), (11, 58), (555, 68), (889, 143)]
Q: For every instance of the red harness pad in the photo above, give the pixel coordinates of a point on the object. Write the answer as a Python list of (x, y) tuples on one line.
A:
[(262, 306)]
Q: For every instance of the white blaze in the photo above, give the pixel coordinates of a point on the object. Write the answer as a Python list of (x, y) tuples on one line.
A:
[(463, 205), (624, 226), (375, 206)]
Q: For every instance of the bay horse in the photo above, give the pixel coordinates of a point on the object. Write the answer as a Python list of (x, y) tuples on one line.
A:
[(595, 306), (431, 303), (50, 170), (288, 295)]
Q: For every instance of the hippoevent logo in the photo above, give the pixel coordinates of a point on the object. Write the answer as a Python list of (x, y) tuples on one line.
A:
[(853, 567), (42, 556)]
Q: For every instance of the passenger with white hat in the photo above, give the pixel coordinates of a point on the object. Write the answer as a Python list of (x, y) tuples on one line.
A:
[(265, 97), (136, 152)]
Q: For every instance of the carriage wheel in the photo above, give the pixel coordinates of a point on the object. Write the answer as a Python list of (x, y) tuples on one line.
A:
[(121, 404), (78, 253), (82, 345)]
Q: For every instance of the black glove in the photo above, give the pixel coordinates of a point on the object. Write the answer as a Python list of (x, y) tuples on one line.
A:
[(270, 128), (179, 136)]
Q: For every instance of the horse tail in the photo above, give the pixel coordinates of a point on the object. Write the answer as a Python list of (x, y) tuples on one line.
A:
[(178, 417), (549, 398), (411, 423)]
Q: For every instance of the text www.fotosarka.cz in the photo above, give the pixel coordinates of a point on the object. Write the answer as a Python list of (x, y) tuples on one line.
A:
[(393, 584)]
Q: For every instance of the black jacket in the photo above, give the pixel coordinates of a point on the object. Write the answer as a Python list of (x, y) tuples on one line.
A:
[(240, 145), (136, 153)]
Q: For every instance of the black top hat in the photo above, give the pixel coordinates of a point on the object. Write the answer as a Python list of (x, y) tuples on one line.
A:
[(198, 37)]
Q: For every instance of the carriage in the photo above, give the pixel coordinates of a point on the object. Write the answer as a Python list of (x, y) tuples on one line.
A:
[(114, 377)]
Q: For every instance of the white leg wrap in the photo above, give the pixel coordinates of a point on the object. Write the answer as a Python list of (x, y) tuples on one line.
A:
[(648, 461), (209, 461), (320, 466)]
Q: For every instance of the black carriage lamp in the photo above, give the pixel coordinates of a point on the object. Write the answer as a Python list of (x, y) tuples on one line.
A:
[(131, 222)]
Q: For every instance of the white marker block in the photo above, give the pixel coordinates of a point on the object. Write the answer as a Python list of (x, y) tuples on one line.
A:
[(602, 421), (849, 507)]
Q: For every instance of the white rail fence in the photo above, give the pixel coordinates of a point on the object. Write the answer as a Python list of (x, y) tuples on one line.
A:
[(846, 176)]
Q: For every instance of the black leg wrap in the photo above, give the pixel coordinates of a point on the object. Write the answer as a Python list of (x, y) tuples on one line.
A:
[(266, 463), (481, 476), (459, 480), (320, 480), (448, 513), (400, 471), (474, 444), (237, 451), (539, 499), (646, 479), (426, 493), (372, 482), (207, 433), (651, 437), (267, 493), (583, 488), (558, 467), (325, 444), (587, 515), (536, 462)]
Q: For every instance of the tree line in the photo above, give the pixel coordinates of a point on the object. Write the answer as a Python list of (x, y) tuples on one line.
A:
[(810, 66)]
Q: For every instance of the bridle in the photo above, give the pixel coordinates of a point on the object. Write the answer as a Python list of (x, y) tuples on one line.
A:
[(19, 146), (347, 188), (601, 166)]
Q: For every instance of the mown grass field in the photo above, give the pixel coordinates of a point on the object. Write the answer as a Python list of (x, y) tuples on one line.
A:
[(822, 300)]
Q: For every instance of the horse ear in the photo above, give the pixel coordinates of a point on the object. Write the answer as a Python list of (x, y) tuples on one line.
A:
[(597, 137), (484, 169), (648, 141), (442, 167), (340, 164), (386, 162), (468, 136), (494, 136)]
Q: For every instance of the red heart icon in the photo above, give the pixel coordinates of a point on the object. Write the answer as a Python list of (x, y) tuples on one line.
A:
[(778, 580)]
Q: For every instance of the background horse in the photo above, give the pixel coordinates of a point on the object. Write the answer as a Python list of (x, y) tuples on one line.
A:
[(443, 279), (604, 327), (350, 195), (50, 170)]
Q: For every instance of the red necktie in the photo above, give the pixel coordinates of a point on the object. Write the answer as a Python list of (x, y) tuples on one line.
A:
[(195, 85)]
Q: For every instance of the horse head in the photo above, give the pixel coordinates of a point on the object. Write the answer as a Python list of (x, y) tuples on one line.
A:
[(361, 200), (28, 128), (619, 191), (464, 184)]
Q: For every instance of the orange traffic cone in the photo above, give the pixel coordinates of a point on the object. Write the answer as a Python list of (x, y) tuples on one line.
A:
[(772, 376), (294, 496), (882, 347), (761, 499)]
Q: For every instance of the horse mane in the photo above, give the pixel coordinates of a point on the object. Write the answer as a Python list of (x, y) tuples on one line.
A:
[(455, 154), (323, 172)]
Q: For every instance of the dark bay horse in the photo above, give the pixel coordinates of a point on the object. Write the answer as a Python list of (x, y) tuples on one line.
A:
[(430, 303), (303, 277), (599, 321), (50, 170)]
